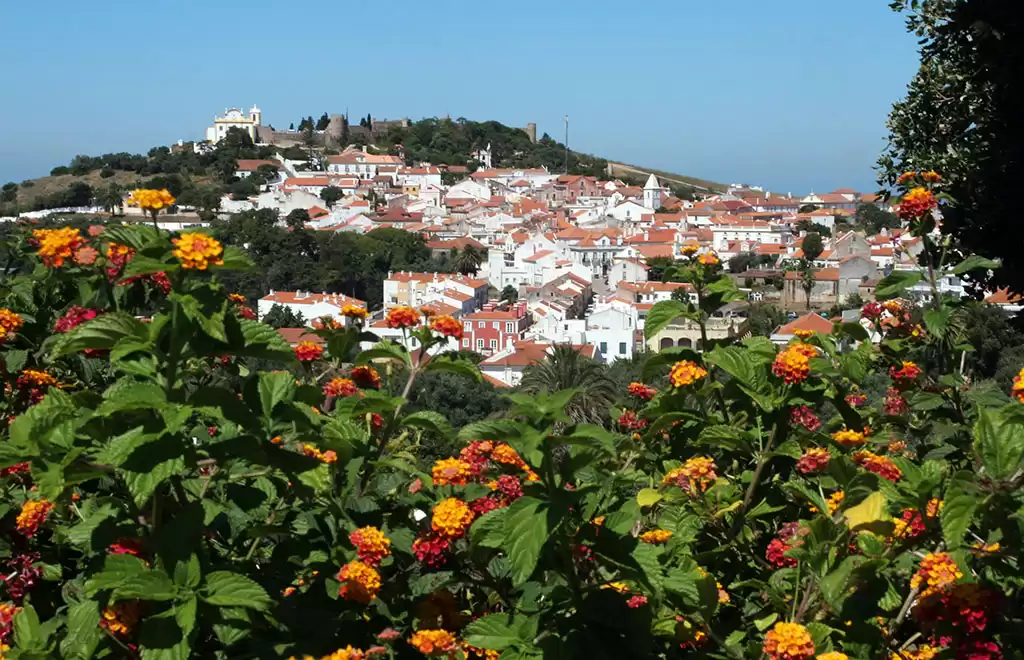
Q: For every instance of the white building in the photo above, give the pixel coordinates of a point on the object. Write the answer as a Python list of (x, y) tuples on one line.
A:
[(653, 193), (234, 118), (362, 164), (312, 306), (612, 328)]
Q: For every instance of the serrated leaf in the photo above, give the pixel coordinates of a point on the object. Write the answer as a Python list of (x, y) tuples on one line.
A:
[(491, 631), (974, 262), (101, 332), (275, 387), (869, 511), (234, 590), (896, 282), (960, 502), (526, 530), (661, 314), (488, 530), (648, 497), (84, 630), (431, 421), (459, 366)]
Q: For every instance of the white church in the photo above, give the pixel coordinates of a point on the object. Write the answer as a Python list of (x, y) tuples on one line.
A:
[(234, 118)]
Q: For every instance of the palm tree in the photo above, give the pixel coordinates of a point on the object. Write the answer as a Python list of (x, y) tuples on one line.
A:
[(566, 368), (110, 199), (468, 261)]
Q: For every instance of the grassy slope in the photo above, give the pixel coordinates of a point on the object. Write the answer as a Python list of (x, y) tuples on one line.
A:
[(50, 184)]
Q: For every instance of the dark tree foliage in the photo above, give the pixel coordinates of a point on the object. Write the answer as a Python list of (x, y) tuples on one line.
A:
[(460, 400), (280, 316), (292, 258), (453, 141), (331, 194), (509, 294), (961, 117), (321, 124), (872, 219), (812, 246), (657, 267), (764, 318)]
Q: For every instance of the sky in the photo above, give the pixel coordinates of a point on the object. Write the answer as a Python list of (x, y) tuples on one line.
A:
[(788, 94)]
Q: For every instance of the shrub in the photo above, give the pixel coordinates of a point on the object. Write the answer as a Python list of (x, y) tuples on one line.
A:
[(165, 496)]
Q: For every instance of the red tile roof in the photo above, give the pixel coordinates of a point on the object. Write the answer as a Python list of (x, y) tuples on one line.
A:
[(253, 165), (809, 321), (295, 335)]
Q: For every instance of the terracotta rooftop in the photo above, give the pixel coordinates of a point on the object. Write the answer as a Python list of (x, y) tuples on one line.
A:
[(809, 321)]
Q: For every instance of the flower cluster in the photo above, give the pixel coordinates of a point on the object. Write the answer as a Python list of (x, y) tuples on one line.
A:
[(788, 641), (74, 317), (198, 251), (365, 376), (431, 550), (709, 259), (1018, 386), (894, 403), (117, 257), (329, 456), (402, 317), (354, 312), (628, 421), (126, 546), (849, 438), (803, 416), (917, 203), (33, 514), (308, 351), (789, 537), (121, 618), (19, 573), (905, 374), (908, 525), (150, 200), (856, 399), (10, 323), (451, 518), (451, 472), (880, 465), (686, 372), (656, 536), (937, 570), (834, 501), (435, 642), (340, 387), (813, 461), (7, 612), (34, 384), (793, 363), (695, 474), (447, 326), (56, 245), (360, 582), (371, 545), (641, 391)]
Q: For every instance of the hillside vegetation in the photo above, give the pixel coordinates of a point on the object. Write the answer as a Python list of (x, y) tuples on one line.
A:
[(201, 179)]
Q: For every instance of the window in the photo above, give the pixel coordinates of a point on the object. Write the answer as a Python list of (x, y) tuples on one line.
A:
[(465, 343), (480, 324), (494, 343), (622, 348), (495, 325), (604, 347), (479, 344), (467, 326), (509, 327)]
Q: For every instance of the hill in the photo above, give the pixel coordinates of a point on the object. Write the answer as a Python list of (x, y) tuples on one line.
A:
[(202, 178)]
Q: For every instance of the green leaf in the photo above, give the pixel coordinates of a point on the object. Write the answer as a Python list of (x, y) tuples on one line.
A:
[(526, 530), (460, 366), (488, 530), (131, 395), (661, 314), (737, 362), (84, 630), (116, 570), (234, 258), (974, 262), (101, 332), (936, 320), (1000, 443), (431, 421), (385, 350), (833, 586), (28, 634), (275, 387), (259, 340), (896, 282), (150, 585), (960, 502), (648, 497), (491, 631), (234, 590), (144, 265), (142, 484)]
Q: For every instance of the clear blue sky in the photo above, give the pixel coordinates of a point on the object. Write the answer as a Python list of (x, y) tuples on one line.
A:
[(791, 94)]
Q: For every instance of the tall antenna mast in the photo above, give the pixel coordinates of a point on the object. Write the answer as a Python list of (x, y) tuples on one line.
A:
[(566, 144)]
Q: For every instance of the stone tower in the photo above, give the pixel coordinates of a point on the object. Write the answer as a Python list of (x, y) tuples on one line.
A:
[(652, 193), (531, 130), (335, 133)]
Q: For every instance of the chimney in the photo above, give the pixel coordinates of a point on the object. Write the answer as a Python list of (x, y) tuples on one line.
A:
[(391, 274)]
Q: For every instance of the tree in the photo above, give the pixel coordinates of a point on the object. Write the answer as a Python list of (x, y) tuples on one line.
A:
[(297, 218), (808, 226), (267, 172), (244, 189), (291, 126), (459, 399), (657, 266), (872, 219), (280, 316), (567, 368), (509, 294), (763, 318), (9, 193), (742, 261), (331, 194), (321, 124), (468, 260), (961, 117), (110, 199), (812, 249)]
